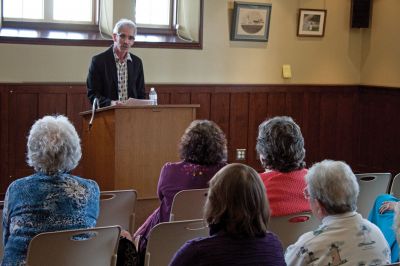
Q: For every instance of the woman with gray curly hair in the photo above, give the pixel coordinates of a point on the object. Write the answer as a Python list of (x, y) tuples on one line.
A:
[(344, 236), (280, 146), (51, 199), (203, 152)]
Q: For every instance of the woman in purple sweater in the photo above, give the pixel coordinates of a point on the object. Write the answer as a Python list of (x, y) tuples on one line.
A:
[(203, 152), (237, 212)]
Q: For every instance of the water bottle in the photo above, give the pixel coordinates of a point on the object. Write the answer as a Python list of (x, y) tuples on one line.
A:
[(153, 96)]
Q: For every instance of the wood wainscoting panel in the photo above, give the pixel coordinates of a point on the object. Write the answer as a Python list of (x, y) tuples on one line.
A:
[(238, 125), (276, 104), (295, 106), (379, 129), (220, 107), (311, 127), (257, 114), (327, 131), (204, 99), (23, 111), (355, 123), (180, 98), (346, 127), (22, 105)]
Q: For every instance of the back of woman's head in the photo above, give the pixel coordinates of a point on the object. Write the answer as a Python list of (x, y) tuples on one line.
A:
[(237, 202), (203, 143), (281, 144), (53, 145)]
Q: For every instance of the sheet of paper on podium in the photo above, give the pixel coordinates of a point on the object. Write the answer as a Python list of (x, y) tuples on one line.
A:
[(133, 102)]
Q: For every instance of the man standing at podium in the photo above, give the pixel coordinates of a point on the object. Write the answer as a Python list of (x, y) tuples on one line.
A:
[(116, 75)]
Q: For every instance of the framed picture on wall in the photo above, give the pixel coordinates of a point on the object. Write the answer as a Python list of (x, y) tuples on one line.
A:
[(311, 22), (250, 21)]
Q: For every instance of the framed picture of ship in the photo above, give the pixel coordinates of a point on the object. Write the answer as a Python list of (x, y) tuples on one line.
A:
[(250, 21), (311, 22)]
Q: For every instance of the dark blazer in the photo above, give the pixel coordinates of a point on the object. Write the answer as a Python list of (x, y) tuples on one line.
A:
[(102, 79)]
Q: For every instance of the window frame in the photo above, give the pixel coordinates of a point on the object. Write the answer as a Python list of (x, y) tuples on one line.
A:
[(167, 30), (158, 38), (47, 21)]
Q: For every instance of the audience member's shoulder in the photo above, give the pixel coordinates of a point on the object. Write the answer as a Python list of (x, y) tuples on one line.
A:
[(24, 181), (272, 238), (172, 165), (200, 241), (305, 170), (369, 223), (86, 181)]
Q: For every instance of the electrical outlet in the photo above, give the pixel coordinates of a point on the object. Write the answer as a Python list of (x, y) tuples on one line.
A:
[(240, 154)]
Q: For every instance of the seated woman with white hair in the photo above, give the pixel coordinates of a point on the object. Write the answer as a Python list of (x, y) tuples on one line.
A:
[(344, 236), (51, 199)]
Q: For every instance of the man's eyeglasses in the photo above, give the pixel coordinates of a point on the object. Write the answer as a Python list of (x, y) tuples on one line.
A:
[(123, 36)]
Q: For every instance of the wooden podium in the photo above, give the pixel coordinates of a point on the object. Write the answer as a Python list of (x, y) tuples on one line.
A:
[(127, 145)]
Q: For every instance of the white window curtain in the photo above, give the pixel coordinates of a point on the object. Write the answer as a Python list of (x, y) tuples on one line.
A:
[(106, 18), (188, 19), (111, 11), (188, 16)]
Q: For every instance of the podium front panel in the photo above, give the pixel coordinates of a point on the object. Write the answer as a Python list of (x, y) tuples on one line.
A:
[(139, 141)]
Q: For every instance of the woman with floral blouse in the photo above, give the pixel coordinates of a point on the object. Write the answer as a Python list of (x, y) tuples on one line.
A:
[(51, 199)]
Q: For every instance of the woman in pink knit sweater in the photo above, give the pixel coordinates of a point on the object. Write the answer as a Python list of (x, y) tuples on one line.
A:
[(280, 146)]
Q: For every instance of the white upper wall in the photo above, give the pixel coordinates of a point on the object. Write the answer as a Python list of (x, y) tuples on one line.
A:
[(335, 58)]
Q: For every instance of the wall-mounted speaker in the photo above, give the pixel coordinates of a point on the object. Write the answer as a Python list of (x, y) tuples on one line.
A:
[(360, 13)]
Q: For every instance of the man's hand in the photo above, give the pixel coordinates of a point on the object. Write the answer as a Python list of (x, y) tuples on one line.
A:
[(117, 103)]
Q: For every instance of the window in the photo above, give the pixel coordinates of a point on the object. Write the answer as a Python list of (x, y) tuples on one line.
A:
[(154, 13), (161, 23), (50, 11)]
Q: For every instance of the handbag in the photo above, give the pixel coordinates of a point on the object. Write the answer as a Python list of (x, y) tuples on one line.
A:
[(127, 253)]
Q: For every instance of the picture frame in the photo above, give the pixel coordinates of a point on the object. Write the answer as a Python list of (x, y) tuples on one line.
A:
[(311, 22), (250, 21)]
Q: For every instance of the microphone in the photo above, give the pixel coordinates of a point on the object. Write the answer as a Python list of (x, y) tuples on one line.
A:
[(95, 106)]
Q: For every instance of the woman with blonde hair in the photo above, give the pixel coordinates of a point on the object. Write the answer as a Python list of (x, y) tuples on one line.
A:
[(237, 212)]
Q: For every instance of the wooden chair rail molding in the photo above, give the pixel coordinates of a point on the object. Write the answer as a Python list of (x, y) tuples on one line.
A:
[(357, 124)]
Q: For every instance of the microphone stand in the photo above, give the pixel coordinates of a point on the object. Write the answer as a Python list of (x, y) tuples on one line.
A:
[(95, 106)]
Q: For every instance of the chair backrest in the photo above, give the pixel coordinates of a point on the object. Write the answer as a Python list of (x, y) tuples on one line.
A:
[(188, 204), (1, 229), (83, 247), (118, 208), (371, 185), (290, 227), (166, 238), (395, 187)]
